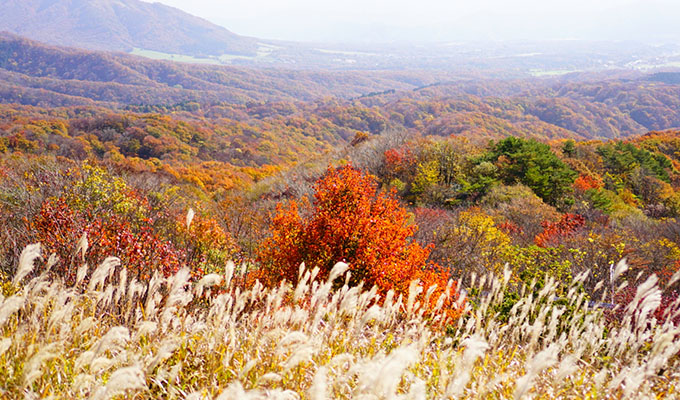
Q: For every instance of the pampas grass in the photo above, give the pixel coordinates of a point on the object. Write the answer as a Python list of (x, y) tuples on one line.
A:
[(26, 262), (315, 339)]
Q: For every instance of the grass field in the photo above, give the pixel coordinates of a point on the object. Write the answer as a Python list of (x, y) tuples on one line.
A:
[(264, 51), (111, 336)]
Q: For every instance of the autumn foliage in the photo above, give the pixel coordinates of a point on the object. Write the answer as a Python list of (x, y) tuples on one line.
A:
[(349, 221), (207, 245), (565, 227), (89, 208), (399, 161), (586, 182), (59, 227)]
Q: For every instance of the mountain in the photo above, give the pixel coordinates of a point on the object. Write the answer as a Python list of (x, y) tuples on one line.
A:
[(37, 74), (120, 25), (586, 105)]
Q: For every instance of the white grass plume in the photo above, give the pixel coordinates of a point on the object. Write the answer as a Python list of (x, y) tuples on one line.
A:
[(81, 273), (615, 273), (206, 282), (122, 380), (475, 347), (33, 367), (82, 246), (319, 388), (26, 262), (5, 344), (381, 376), (544, 359), (9, 306), (190, 217), (103, 272), (337, 271)]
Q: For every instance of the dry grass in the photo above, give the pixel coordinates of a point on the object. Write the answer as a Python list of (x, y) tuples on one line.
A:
[(111, 337)]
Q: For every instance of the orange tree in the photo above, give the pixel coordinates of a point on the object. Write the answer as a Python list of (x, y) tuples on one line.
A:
[(349, 221)]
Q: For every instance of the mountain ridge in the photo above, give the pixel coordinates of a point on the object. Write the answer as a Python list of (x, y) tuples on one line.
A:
[(120, 25)]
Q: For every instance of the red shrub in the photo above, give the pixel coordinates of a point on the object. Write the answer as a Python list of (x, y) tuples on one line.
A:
[(565, 227), (399, 161), (58, 227)]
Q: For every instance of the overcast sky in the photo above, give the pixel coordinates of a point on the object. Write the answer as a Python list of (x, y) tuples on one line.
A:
[(441, 20)]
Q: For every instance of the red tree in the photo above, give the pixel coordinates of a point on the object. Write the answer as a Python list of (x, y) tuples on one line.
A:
[(586, 182), (349, 221)]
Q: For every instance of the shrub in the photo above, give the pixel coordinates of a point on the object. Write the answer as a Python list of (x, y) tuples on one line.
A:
[(554, 231), (58, 227)]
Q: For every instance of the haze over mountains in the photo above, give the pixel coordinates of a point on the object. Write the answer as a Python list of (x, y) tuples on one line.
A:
[(34, 73), (159, 31), (432, 21)]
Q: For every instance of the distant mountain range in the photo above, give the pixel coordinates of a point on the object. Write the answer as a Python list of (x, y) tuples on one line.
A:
[(157, 31), (585, 105), (120, 25), (37, 74)]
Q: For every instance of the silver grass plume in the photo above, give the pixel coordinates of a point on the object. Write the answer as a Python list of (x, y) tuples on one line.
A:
[(33, 367), (414, 290), (81, 273), (51, 262), (123, 379), (229, 273), (319, 388), (615, 273), (5, 344), (190, 217), (116, 336), (474, 348), (81, 247), (9, 306), (26, 262), (337, 270), (235, 391), (544, 359), (674, 278), (103, 271), (207, 281)]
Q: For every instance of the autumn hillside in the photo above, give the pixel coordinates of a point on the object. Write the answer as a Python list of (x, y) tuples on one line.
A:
[(183, 231), (116, 279)]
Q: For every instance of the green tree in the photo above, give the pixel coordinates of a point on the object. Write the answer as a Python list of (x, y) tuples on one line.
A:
[(569, 148), (535, 165), (623, 158)]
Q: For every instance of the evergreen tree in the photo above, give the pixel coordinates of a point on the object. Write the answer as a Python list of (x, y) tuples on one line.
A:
[(535, 165)]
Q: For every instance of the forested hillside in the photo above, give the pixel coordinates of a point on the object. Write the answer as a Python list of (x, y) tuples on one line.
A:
[(33, 73), (579, 107), (274, 152)]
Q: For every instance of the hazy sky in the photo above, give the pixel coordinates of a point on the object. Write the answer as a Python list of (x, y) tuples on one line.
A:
[(441, 20)]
